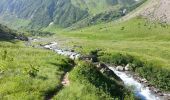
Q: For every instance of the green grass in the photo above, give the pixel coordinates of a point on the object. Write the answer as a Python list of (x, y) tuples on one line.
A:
[(28, 73), (32, 74), (139, 37), (87, 83)]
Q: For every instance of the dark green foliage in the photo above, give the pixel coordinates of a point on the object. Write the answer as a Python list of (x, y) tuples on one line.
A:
[(67, 64), (156, 75), (7, 34), (94, 55), (88, 73), (117, 59)]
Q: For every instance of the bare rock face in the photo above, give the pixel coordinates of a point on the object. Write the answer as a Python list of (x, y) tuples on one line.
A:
[(120, 68)]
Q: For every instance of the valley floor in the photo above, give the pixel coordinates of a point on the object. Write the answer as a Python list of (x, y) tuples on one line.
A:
[(38, 74)]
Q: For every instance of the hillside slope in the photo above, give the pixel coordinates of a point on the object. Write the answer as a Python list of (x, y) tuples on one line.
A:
[(62, 13), (7, 34), (157, 10)]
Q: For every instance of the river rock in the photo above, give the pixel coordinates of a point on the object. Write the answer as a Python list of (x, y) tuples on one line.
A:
[(157, 91), (144, 80), (72, 57), (47, 46), (77, 56), (120, 68), (127, 67), (160, 94)]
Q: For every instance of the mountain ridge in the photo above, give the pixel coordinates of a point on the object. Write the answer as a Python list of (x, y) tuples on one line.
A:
[(64, 13)]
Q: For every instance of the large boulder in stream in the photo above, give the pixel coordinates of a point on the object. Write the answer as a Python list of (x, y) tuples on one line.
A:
[(127, 67), (120, 68)]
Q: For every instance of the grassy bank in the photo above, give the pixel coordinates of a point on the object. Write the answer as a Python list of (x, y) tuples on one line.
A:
[(88, 83), (156, 75), (28, 73)]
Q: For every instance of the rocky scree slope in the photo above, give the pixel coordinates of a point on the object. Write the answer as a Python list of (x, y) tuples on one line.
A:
[(158, 11)]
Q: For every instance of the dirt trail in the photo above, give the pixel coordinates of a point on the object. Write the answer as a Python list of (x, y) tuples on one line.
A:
[(65, 81)]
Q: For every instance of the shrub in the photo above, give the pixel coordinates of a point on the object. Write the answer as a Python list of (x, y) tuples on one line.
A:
[(156, 75)]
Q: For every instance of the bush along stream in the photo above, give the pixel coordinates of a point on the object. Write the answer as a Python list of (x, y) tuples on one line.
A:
[(123, 68), (151, 79)]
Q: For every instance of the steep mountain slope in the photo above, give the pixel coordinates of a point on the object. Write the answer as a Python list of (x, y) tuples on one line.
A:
[(158, 11), (63, 13), (155, 10)]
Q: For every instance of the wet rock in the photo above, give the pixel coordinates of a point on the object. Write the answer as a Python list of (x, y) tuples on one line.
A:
[(102, 70), (47, 46), (127, 67), (72, 57), (120, 68), (144, 80), (157, 91), (160, 94), (77, 56)]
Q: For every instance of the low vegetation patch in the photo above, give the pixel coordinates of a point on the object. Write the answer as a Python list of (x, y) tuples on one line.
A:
[(89, 83), (157, 76)]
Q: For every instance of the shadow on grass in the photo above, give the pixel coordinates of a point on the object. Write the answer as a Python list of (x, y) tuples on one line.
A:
[(53, 92), (66, 65)]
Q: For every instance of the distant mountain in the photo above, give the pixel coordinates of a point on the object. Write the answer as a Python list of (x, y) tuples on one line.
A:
[(62, 13)]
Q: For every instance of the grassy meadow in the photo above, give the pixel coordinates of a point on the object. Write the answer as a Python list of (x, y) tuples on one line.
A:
[(146, 40), (28, 73), (140, 37), (35, 74)]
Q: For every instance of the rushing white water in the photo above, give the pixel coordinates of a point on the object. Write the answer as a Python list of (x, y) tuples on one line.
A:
[(139, 89), (54, 46)]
